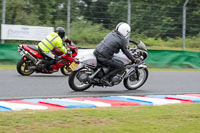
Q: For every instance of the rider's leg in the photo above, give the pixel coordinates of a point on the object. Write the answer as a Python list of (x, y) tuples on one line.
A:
[(116, 65), (50, 61)]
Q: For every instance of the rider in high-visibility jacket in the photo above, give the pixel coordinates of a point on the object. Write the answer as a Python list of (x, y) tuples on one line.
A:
[(53, 40)]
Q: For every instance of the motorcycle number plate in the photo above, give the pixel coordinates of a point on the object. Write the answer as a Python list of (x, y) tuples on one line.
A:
[(73, 66)]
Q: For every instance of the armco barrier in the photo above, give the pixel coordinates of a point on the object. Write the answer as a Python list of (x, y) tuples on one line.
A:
[(156, 58)]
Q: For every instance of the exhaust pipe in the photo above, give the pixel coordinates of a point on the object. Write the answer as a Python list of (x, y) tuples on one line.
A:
[(28, 55)]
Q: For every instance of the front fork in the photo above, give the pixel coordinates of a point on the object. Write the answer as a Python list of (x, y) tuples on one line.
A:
[(137, 74), (135, 68)]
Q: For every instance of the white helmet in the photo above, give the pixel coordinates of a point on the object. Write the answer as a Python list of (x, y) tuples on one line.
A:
[(124, 29)]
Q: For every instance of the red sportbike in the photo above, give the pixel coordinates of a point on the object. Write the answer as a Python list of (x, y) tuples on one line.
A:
[(33, 61)]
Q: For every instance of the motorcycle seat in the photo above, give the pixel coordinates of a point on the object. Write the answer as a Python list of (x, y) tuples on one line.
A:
[(34, 47)]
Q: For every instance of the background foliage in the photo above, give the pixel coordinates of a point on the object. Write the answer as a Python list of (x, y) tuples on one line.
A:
[(156, 22)]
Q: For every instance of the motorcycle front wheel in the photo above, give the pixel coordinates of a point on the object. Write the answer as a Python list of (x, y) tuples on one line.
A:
[(65, 70), (132, 83), (22, 67), (75, 83)]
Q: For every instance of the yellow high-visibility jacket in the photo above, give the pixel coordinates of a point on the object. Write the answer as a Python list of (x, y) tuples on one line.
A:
[(51, 41)]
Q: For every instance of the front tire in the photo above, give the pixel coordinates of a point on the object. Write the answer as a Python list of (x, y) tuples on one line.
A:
[(75, 83), (22, 67), (132, 83)]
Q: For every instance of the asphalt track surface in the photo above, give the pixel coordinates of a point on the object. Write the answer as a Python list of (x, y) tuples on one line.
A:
[(15, 86)]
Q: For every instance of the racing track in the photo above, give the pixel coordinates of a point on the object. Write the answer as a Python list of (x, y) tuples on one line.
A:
[(15, 86)]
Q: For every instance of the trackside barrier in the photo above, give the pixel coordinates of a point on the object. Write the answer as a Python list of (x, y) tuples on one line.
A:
[(173, 59), (9, 54), (92, 102), (156, 58)]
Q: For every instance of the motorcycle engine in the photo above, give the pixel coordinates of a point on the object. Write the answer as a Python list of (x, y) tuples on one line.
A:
[(116, 79), (83, 75)]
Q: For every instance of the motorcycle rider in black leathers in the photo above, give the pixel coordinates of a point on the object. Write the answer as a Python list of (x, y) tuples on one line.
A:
[(112, 43)]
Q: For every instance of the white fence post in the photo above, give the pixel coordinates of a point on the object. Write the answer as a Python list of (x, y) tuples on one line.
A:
[(184, 24), (3, 15), (68, 18)]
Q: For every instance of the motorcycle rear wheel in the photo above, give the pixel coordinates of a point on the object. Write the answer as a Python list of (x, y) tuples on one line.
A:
[(22, 67), (65, 70), (75, 84), (133, 84)]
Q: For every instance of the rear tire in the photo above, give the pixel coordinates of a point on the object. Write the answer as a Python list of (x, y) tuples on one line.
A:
[(65, 70), (74, 86), (143, 72), (22, 67)]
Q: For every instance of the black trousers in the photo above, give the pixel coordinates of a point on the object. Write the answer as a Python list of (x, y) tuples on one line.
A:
[(116, 65), (47, 60)]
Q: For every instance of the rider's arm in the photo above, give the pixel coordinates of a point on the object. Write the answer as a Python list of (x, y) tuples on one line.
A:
[(61, 46), (124, 49)]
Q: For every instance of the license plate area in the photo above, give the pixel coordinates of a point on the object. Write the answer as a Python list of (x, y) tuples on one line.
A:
[(73, 66), (21, 53)]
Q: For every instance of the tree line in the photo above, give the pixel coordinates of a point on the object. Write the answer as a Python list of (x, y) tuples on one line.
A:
[(95, 18)]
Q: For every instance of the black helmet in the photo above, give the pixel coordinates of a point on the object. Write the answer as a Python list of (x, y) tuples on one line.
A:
[(60, 31)]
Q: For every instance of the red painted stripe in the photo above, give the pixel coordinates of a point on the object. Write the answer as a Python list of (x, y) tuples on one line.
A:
[(182, 100), (196, 95), (51, 104), (112, 102), (30, 103)]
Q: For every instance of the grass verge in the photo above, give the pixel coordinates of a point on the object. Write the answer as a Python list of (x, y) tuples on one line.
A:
[(179, 118), (7, 67)]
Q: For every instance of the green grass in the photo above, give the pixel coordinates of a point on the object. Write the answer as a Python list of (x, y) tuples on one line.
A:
[(7, 67), (178, 118)]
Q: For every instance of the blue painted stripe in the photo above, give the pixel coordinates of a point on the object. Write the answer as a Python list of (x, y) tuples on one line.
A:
[(194, 99), (69, 104), (142, 102), (2, 108), (157, 96), (63, 103)]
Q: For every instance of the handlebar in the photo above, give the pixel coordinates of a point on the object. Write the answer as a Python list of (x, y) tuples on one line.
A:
[(134, 42)]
